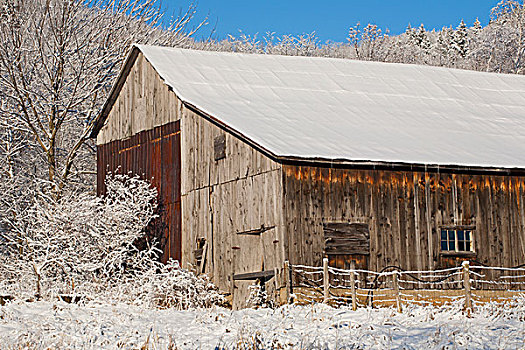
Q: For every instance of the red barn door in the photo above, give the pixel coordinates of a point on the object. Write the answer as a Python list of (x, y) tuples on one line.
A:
[(154, 155)]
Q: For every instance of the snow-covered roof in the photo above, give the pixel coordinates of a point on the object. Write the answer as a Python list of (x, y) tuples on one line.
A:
[(354, 110)]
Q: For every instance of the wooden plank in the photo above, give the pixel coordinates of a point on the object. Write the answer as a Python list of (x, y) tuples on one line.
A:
[(521, 216), (282, 234), (428, 218), (265, 275), (345, 238), (416, 218), (203, 258), (256, 231)]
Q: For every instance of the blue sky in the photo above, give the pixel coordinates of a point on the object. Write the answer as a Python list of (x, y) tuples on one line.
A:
[(331, 19)]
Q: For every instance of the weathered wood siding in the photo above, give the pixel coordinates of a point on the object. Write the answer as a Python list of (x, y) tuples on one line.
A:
[(222, 195), (227, 190), (223, 198), (145, 102), (142, 136), (154, 155), (404, 211)]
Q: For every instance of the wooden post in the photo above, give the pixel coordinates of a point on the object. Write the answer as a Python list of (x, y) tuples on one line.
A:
[(352, 285), (277, 285), (288, 282), (395, 277), (326, 281), (466, 284), (203, 258)]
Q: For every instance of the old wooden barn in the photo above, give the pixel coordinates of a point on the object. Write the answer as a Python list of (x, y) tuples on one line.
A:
[(260, 159)]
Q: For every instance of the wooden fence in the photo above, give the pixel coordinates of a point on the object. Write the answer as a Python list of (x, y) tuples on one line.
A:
[(395, 287)]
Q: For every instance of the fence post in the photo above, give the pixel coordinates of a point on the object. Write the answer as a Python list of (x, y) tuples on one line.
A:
[(326, 281), (466, 284), (288, 282), (352, 285), (395, 276)]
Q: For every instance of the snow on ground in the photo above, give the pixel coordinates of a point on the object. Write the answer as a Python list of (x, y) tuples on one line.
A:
[(46, 325)]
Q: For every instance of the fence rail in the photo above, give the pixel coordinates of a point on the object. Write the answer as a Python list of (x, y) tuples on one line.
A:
[(394, 287)]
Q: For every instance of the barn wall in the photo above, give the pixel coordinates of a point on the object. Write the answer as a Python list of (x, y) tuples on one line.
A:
[(222, 198), (142, 135), (404, 211), (218, 199)]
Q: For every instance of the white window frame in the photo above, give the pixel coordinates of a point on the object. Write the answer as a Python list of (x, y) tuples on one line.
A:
[(456, 245)]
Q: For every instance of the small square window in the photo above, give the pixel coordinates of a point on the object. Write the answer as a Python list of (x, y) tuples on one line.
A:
[(219, 147), (456, 240)]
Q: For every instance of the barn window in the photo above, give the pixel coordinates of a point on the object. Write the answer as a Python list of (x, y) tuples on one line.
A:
[(219, 147), (457, 240)]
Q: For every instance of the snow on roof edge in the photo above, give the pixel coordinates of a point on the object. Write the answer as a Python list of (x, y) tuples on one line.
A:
[(315, 158)]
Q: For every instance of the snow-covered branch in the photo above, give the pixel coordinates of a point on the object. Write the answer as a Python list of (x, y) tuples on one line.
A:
[(94, 246)]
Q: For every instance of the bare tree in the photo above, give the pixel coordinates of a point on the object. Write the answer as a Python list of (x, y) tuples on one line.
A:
[(369, 43), (58, 60), (506, 33)]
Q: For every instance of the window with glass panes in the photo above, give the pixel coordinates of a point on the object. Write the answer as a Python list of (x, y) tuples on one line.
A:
[(455, 240)]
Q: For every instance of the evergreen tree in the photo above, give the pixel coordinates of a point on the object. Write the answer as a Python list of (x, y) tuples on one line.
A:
[(410, 34), (460, 40), (444, 43), (476, 27), (422, 39)]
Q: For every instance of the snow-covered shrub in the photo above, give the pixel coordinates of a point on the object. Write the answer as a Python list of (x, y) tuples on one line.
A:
[(58, 242), (173, 287), (258, 297), (78, 244)]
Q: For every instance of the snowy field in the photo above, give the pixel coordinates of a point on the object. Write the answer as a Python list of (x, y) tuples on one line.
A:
[(44, 325)]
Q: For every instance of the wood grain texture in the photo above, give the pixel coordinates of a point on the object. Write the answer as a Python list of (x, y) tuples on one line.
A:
[(346, 238), (144, 102), (404, 212), (226, 198), (154, 155)]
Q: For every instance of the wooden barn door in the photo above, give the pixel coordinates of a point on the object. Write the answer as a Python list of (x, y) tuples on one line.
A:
[(154, 155), (345, 242), (168, 182), (247, 257)]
